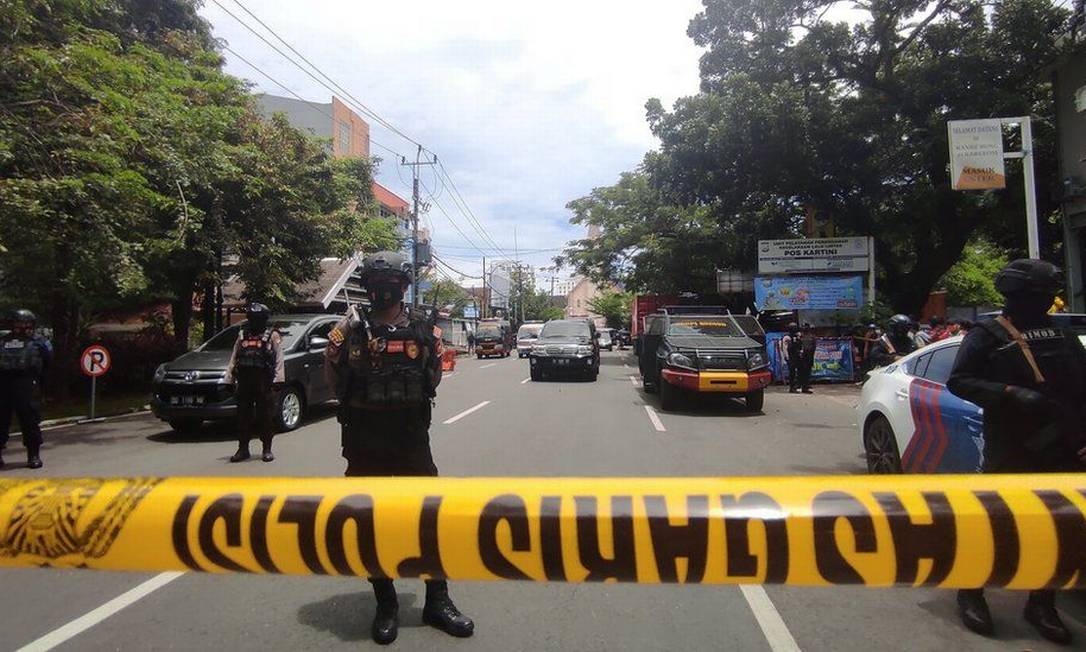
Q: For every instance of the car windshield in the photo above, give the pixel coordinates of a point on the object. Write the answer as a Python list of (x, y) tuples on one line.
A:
[(490, 331), (712, 326), (289, 329), (563, 329), (528, 332)]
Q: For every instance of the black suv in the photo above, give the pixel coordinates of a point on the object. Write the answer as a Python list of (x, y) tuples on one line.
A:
[(568, 347), (703, 350), (191, 389)]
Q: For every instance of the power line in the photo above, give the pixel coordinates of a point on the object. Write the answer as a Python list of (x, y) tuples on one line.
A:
[(458, 198), (385, 123)]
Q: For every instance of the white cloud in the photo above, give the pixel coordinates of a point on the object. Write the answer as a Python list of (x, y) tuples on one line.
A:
[(529, 106)]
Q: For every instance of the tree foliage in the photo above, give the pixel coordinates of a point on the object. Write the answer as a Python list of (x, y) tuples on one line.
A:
[(797, 110), (971, 281), (613, 306), (130, 165)]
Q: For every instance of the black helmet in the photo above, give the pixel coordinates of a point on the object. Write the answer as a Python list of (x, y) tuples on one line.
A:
[(385, 263), (1029, 275), (23, 316), (899, 323), (792, 327), (257, 314)]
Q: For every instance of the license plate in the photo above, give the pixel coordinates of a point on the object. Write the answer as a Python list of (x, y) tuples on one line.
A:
[(186, 400), (563, 361)]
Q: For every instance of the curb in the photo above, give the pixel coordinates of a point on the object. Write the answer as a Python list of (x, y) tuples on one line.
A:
[(82, 419)]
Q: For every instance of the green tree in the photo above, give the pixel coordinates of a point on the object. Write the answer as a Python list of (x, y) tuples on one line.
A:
[(613, 306), (800, 111), (445, 293), (971, 281), (130, 165)]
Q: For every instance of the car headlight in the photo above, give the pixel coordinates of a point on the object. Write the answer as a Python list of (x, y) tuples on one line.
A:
[(160, 373), (584, 350), (756, 360), (680, 360), (539, 350)]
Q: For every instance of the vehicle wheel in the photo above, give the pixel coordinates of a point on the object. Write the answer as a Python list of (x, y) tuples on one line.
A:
[(880, 445), (536, 375), (669, 396), (648, 386), (185, 425), (289, 410), (479, 356), (755, 400)]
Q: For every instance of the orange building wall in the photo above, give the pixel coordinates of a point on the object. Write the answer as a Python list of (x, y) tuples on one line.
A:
[(359, 144)]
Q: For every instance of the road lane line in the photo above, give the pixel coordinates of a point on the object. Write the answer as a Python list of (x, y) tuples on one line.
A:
[(633, 380), (626, 364), (655, 418), (492, 364), (525, 380), (769, 619), (465, 413), (91, 618)]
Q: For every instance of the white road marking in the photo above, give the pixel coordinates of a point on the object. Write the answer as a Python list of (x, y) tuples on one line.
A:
[(91, 618), (465, 413), (655, 418), (492, 364), (769, 619), (626, 364), (525, 380), (633, 380), (448, 375)]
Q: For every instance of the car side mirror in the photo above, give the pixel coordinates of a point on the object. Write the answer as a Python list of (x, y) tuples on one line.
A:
[(596, 336), (317, 343)]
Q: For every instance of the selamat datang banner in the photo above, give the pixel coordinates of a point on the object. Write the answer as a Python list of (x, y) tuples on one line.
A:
[(976, 154), (1016, 531)]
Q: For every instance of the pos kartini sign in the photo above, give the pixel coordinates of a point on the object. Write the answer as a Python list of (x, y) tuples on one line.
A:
[(976, 154)]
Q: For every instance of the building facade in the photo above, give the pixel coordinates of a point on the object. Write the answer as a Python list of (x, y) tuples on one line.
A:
[(1069, 86)]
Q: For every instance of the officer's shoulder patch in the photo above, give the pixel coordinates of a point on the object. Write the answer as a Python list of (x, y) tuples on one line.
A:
[(336, 336), (437, 332)]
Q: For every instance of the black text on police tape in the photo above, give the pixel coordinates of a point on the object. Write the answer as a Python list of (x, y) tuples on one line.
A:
[(912, 539)]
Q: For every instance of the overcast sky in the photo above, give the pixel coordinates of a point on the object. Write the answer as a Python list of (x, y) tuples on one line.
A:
[(529, 105)]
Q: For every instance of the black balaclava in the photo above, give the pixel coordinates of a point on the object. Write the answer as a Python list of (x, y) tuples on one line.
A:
[(385, 292)]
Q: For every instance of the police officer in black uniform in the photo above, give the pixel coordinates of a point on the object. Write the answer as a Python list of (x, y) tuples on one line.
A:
[(792, 346), (1030, 378), (386, 365), (894, 343), (256, 366), (24, 357)]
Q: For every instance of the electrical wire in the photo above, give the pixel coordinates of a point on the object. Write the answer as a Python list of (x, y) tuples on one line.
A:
[(373, 114), (458, 198)]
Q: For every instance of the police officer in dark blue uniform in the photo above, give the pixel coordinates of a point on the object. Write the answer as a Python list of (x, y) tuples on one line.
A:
[(1030, 377), (386, 365), (257, 368), (24, 357)]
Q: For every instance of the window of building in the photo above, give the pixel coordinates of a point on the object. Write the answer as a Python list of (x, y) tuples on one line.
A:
[(345, 136)]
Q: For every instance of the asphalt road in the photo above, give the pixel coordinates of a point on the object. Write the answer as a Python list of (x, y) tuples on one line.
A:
[(527, 429)]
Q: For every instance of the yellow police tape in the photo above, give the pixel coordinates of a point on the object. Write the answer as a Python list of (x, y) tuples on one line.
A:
[(948, 531)]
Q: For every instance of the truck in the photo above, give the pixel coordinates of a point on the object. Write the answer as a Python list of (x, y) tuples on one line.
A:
[(644, 305), (494, 337)]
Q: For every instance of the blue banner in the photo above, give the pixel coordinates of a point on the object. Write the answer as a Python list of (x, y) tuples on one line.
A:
[(833, 360), (809, 292)]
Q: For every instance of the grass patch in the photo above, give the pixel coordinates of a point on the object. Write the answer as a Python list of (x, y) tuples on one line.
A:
[(104, 406)]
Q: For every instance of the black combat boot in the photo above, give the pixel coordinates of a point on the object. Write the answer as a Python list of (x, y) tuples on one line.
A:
[(1041, 613), (267, 454), (973, 610), (440, 612), (386, 621), (242, 454), (33, 458), (1, 458)]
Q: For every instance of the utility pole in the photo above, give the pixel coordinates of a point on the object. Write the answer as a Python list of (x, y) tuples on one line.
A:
[(415, 221), (486, 299)]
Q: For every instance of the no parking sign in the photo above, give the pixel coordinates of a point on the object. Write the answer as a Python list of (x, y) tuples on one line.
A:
[(95, 360)]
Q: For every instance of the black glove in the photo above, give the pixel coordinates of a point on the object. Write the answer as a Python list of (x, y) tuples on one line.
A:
[(1029, 400)]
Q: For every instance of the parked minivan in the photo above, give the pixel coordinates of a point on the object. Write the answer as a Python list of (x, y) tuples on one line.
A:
[(192, 388)]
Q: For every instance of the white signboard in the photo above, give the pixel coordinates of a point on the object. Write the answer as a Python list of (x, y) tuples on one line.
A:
[(976, 154), (806, 255)]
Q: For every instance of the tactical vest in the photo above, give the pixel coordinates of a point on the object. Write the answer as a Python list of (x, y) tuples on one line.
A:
[(17, 354), (255, 352), (391, 368)]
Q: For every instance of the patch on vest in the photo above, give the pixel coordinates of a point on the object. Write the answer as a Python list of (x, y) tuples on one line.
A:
[(411, 349)]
